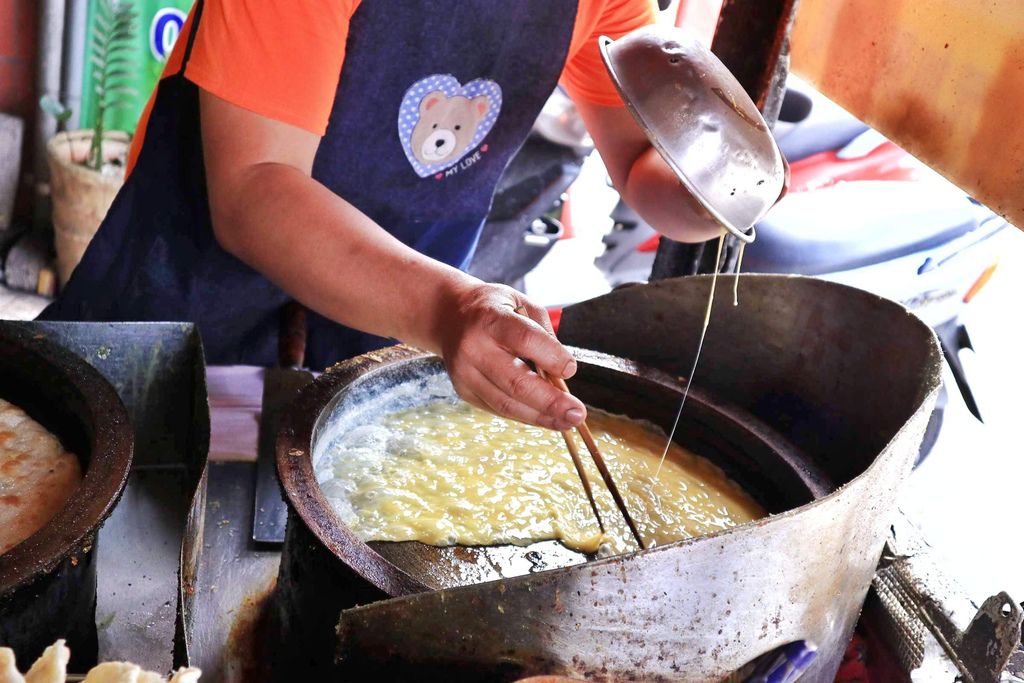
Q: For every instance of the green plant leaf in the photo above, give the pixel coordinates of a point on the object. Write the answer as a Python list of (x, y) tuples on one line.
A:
[(112, 56)]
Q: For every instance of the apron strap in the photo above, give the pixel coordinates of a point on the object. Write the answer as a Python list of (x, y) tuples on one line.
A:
[(191, 37)]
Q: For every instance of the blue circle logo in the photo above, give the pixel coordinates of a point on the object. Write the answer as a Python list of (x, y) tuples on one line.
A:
[(164, 30)]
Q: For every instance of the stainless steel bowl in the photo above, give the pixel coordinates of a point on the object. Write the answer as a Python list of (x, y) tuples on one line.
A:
[(702, 122)]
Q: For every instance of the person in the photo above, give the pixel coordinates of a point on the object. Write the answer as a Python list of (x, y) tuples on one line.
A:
[(344, 154)]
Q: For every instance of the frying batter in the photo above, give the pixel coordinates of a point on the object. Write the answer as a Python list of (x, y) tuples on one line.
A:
[(447, 473), (36, 476)]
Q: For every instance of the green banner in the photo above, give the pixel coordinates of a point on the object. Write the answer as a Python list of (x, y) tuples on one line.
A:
[(158, 26)]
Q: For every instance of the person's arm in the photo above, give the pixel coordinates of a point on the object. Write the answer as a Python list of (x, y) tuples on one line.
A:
[(269, 212), (639, 173)]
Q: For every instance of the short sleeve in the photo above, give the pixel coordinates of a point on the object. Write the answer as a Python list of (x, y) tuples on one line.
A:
[(278, 58), (584, 76)]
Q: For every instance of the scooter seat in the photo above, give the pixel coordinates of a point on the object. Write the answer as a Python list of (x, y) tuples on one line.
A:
[(856, 224), (813, 138)]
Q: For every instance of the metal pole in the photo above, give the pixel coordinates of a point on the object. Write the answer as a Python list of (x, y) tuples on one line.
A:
[(74, 59), (752, 40), (49, 41)]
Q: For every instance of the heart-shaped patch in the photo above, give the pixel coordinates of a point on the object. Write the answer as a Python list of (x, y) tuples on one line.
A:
[(440, 121)]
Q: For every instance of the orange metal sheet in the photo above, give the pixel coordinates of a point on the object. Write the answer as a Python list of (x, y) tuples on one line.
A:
[(944, 79)]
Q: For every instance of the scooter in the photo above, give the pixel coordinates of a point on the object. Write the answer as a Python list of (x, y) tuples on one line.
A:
[(523, 224)]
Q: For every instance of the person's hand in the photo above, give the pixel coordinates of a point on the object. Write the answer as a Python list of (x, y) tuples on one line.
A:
[(488, 334)]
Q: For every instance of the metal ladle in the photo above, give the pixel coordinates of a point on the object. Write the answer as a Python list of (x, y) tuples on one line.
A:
[(702, 122)]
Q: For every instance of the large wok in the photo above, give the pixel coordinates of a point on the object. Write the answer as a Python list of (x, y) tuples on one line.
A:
[(325, 567), (848, 378)]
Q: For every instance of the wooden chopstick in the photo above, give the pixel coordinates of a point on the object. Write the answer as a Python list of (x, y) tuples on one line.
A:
[(575, 455), (595, 453), (571, 445)]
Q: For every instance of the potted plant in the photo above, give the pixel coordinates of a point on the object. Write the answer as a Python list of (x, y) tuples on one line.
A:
[(87, 166)]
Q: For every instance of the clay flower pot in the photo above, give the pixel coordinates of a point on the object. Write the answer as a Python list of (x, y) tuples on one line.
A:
[(81, 196)]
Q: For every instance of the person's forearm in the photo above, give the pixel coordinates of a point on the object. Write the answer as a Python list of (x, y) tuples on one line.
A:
[(641, 176), (332, 258), (653, 191)]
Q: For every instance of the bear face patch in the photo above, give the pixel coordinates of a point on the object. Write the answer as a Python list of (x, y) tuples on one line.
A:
[(440, 121)]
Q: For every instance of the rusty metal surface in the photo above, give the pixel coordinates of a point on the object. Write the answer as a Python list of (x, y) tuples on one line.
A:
[(752, 40), (697, 610), (142, 613), (924, 605), (992, 636), (233, 572), (48, 581), (941, 78), (270, 514), (311, 584), (239, 567)]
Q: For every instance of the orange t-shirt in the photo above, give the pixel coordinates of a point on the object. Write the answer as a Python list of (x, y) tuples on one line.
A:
[(281, 58)]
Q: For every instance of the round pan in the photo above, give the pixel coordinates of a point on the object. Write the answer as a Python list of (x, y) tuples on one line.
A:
[(760, 460), (47, 582)]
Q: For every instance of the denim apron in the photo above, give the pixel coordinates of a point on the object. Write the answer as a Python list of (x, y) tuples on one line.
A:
[(434, 99)]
